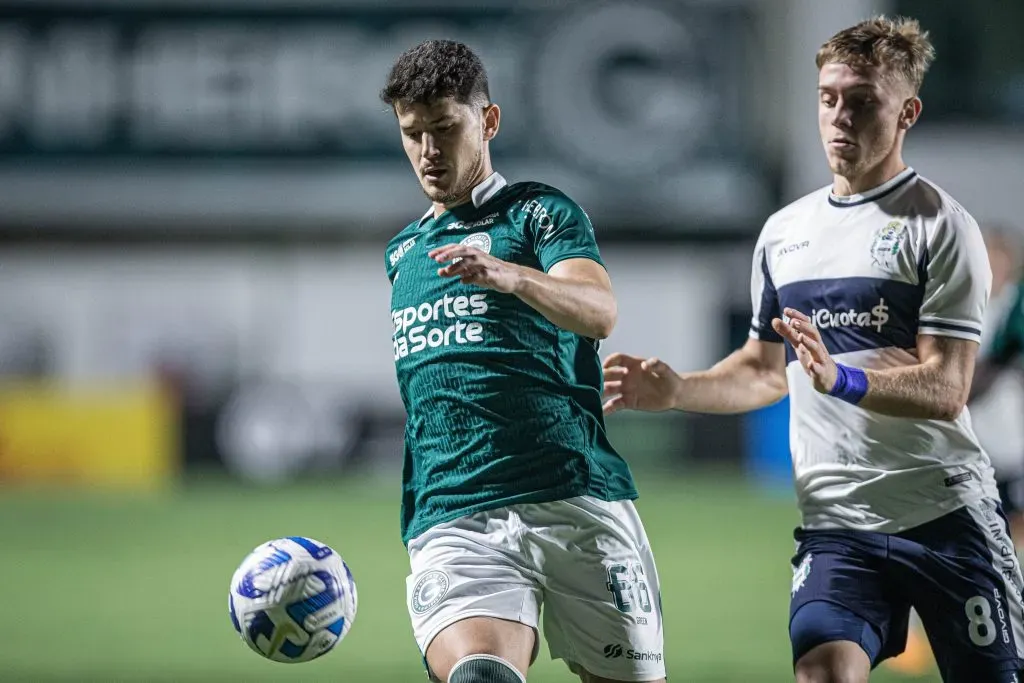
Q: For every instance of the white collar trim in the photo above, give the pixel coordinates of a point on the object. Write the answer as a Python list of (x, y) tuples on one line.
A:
[(874, 192)]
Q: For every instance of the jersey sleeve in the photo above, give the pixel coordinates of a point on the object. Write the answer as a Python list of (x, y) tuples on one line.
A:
[(560, 230), (957, 279), (763, 298)]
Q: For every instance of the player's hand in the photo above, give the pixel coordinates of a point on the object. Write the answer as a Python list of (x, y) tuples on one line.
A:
[(475, 267), (810, 349), (633, 383)]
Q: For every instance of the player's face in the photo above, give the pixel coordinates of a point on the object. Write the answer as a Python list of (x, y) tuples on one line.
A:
[(447, 144), (862, 115)]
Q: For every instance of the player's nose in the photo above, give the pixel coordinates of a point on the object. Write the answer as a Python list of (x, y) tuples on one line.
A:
[(429, 148), (842, 117)]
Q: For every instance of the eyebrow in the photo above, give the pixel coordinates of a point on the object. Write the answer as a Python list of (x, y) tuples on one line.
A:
[(444, 119), (856, 86)]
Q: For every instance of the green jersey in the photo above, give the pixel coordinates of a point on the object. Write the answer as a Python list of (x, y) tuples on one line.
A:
[(502, 405), (1008, 338)]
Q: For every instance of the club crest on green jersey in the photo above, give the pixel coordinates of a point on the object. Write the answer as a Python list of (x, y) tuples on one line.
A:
[(478, 240)]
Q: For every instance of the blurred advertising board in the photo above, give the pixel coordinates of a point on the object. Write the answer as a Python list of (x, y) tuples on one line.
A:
[(121, 436), (123, 114)]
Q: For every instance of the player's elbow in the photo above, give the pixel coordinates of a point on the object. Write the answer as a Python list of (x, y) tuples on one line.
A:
[(604, 322), (949, 409)]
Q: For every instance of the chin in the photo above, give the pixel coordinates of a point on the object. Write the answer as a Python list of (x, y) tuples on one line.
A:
[(435, 193), (844, 167)]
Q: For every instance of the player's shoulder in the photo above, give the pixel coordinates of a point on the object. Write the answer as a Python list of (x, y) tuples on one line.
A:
[(401, 242), (538, 207), (929, 200), (547, 195), (409, 230), (796, 210)]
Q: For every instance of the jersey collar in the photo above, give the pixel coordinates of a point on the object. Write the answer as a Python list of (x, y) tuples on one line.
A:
[(874, 194), (481, 194)]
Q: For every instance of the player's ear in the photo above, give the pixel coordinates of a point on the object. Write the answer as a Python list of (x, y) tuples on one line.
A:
[(910, 113), (491, 121)]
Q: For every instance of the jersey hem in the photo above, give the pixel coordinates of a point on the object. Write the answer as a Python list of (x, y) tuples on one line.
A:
[(549, 496), (822, 522), (565, 257)]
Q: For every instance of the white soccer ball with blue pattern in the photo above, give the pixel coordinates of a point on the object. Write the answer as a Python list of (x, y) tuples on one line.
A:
[(292, 599)]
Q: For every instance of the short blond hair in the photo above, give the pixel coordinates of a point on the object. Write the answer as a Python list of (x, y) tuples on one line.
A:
[(896, 45)]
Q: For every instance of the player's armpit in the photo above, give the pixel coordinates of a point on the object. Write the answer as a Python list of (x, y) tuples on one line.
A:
[(575, 294), (936, 388)]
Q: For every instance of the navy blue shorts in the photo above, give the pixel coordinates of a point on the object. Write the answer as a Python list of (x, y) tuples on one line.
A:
[(960, 573)]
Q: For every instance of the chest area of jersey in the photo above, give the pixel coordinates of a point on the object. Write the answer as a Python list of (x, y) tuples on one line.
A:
[(433, 312), (862, 286), (881, 247), (415, 276)]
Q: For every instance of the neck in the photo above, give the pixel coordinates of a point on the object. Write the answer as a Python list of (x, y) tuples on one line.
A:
[(891, 167), (483, 174)]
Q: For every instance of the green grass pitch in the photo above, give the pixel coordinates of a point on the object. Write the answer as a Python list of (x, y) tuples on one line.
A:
[(101, 587)]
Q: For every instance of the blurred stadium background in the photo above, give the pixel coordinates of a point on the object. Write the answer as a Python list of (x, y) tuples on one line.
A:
[(194, 356)]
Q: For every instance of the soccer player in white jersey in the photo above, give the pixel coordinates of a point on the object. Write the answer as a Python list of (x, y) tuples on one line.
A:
[(868, 298)]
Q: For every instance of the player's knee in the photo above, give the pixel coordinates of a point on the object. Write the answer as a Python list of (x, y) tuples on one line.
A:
[(838, 662), (484, 669), (831, 644)]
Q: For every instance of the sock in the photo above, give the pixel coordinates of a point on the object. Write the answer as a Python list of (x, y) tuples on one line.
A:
[(484, 669)]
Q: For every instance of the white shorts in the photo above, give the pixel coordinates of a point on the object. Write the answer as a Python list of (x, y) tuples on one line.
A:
[(588, 561)]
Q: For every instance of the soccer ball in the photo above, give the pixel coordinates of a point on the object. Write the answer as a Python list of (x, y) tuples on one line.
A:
[(292, 599)]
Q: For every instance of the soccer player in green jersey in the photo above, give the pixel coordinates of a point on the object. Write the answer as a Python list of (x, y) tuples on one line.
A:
[(512, 495), (997, 381)]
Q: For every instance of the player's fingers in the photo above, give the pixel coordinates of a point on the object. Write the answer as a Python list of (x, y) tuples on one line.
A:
[(474, 276), (816, 349), (615, 372), (613, 405), (447, 251), (797, 315), (613, 388), (807, 329), (655, 365), (785, 331), (619, 359), (804, 356)]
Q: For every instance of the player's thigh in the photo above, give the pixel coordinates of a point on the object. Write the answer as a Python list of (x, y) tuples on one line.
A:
[(963, 574), (845, 657), (510, 640), (842, 594), (602, 598), (467, 569)]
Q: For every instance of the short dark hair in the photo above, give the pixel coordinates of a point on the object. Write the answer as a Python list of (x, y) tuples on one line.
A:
[(436, 69)]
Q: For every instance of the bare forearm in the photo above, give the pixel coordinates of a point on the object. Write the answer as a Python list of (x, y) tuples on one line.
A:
[(920, 391), (734, 385), (581, 306)]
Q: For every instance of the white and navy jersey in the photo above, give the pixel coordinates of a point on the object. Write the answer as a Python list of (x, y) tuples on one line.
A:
[(874, 271)]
